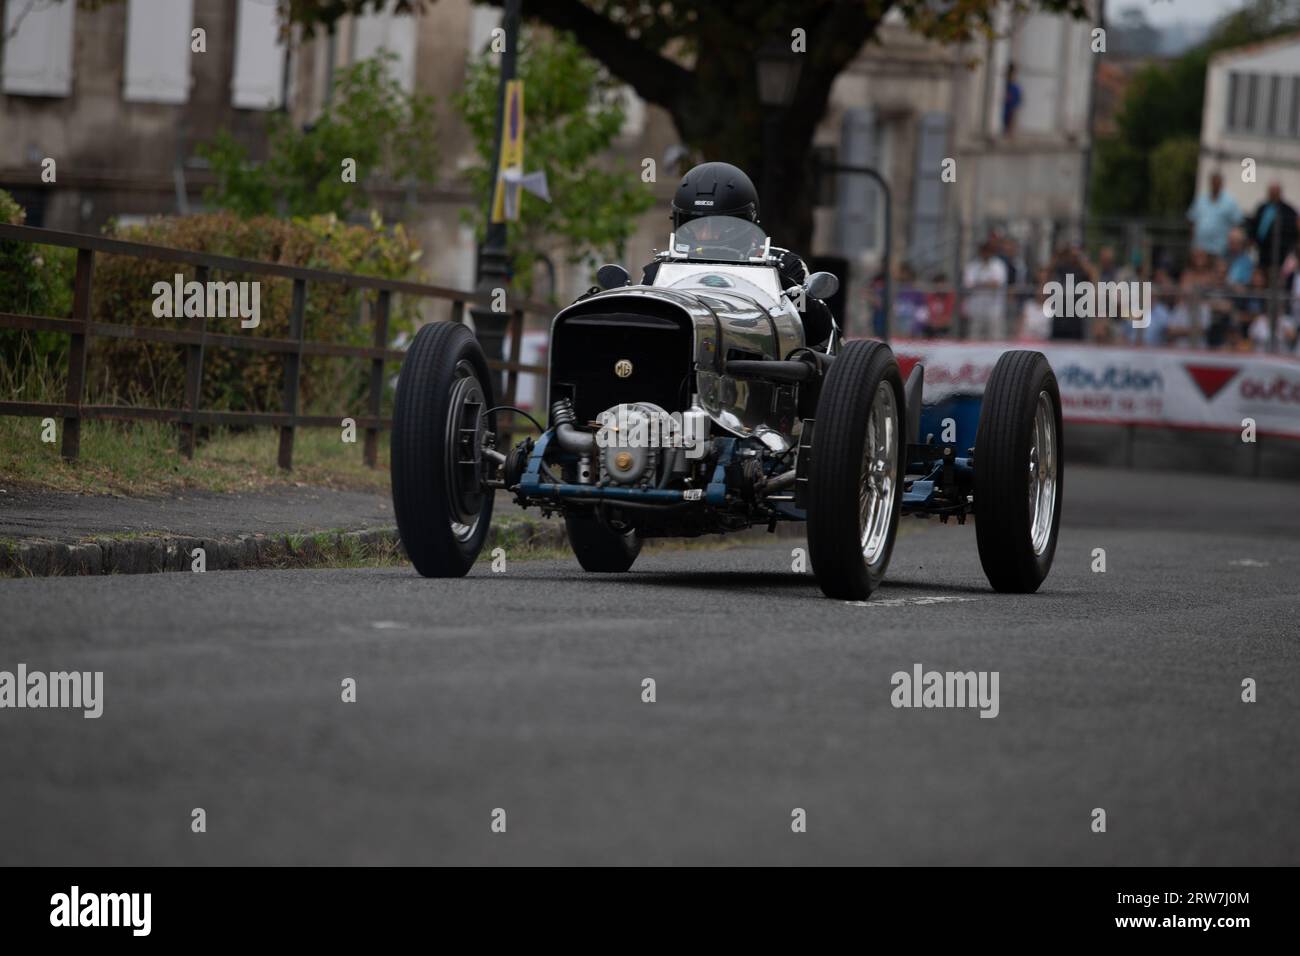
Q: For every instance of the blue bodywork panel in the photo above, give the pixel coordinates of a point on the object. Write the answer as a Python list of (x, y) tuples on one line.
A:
[(964, 410)]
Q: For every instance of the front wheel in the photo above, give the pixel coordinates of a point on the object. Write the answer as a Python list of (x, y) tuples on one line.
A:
[(600, 548), (1019, 472), (855, 477), (439, 429)]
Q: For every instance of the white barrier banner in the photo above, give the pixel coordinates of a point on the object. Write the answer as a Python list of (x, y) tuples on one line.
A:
[(1179, 388)]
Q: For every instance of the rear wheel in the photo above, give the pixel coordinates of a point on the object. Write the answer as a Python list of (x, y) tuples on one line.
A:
[(855, 478), (439, 429), (1018, 472), (598, 547)]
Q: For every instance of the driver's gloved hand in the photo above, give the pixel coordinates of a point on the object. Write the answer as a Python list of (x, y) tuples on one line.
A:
[(792, 269), (816, 314)]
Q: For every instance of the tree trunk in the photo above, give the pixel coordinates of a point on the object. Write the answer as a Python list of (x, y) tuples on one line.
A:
[(714, 101)]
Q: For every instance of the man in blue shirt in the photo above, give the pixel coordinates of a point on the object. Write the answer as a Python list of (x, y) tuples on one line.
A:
[(1213, 215), (1241, 265), (1274, 227)]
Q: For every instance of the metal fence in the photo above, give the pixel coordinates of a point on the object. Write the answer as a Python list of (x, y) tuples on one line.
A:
[(197, 337)]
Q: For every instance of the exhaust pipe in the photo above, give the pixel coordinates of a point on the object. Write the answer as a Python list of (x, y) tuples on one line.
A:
[(569, 437)]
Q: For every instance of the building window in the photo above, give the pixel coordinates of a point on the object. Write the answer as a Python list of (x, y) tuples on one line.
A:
[(258, 82), (388, 31), (1249, 117), (158, 51), (1262, 104), (38, 54), (482, 21), (1294, 126)]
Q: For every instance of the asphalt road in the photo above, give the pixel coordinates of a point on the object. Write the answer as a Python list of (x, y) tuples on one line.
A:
[(63, 516), (522, 691)]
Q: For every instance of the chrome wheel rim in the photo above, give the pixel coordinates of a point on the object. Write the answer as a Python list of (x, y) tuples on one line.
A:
[(879, 474), (1042, 474), (465, 442)]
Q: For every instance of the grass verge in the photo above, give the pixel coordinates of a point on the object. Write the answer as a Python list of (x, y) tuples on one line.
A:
[(142, 458)]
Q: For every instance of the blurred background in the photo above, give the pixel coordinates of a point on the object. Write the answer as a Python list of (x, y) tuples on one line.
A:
[(948, 161)]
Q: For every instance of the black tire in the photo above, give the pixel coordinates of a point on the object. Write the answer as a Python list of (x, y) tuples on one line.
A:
[(599, 548), (1004, 526), (838, 470), (443, 512)]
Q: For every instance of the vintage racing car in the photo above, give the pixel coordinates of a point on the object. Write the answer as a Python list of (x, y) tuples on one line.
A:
[(693, 405)]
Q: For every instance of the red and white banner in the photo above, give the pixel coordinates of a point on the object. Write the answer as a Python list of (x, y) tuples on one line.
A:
[(1180, 388)]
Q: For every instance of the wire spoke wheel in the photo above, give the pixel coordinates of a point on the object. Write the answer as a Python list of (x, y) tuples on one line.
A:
[(855, 478), (1042, 474), (1018, 472), (879, 465)]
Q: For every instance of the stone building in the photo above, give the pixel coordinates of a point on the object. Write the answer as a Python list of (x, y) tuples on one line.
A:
[(121, 102), (1252, 112)]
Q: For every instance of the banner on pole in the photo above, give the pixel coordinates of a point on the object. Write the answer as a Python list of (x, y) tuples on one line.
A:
[(512, 151)]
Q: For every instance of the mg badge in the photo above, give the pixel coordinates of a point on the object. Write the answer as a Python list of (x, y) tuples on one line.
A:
[(623, 368)]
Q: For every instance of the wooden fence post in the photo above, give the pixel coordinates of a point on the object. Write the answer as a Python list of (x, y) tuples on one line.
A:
[(516, 349), (377, 375), (77, 352), (193, 371), (292, 369)]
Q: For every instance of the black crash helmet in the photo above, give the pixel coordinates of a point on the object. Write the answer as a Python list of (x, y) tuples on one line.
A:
[(715, 189)]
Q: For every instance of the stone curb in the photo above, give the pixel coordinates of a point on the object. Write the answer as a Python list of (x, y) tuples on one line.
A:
[(39, 558)]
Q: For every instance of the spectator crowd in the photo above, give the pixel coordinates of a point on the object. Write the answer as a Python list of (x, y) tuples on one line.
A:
[(1238, 278)]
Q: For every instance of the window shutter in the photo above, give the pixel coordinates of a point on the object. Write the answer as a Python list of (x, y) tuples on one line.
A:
[(925, 250), (158, 50), (259, 58), (38, 58), (388, 31), (855, 195)]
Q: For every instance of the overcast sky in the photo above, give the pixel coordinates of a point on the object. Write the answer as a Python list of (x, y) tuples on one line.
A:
[(1162, 12)]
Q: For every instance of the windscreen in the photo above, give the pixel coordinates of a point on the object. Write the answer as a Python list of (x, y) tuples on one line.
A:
[(718, 239)]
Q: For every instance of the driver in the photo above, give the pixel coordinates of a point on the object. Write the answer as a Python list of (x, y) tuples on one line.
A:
[(720, 189)]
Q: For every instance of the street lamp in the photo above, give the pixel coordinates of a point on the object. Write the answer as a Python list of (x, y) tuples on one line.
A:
[(493, 258), (778, 69)]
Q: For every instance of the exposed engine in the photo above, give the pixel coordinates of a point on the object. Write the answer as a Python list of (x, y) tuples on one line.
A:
[(630, 442)]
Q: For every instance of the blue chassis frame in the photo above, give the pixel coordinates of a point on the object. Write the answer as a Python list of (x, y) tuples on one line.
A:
[(925, 496)]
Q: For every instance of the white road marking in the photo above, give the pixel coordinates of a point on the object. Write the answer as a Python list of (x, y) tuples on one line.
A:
[(389, 626), (912, 602), (1248, 563)]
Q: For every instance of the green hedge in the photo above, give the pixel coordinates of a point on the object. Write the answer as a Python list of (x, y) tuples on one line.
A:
[(122, 370), (34, 280)]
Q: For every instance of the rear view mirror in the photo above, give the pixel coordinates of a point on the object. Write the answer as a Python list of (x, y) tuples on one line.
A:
[(611, 276), (821, 285)]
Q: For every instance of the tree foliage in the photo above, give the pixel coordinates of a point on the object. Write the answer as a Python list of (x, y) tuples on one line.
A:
[(573, 111), (34, 280), (696, 59), (370, 119)]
